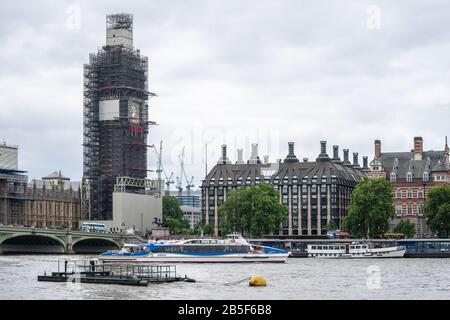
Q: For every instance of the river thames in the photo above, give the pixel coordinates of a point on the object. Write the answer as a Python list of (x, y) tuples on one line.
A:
[(299, 278)]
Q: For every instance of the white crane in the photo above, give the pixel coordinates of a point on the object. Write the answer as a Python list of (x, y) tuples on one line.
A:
[(179, 187), (168, 179), (189, 184)]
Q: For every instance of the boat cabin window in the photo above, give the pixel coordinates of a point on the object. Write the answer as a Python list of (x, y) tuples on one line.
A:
[(313, 247), (352, 247), (319, 247), (192, 248)]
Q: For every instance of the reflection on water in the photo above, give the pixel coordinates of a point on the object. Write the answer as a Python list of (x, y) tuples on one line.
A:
[(297, 279)]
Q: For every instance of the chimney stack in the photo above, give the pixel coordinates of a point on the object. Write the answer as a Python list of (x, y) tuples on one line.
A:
[(346, 161), (240, 157), (323, 156), (365, 162), (355, 159), (377, 149), (224, 159), (254, 159), (418, 148), (336, 154), (291, 155), (323, 147)]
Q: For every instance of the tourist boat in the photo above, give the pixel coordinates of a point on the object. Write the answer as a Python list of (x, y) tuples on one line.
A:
[(354, 250), (233, 249)]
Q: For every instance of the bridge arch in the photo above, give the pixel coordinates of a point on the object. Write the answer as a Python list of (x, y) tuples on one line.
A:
[(32, 243), (94, 245)]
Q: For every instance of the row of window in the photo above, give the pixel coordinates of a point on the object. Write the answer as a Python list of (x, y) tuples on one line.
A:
[(409, 209), (410, 193), (425, 177), (203, 249)]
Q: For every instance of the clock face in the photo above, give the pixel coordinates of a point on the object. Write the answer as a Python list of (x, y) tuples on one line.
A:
[(132, 111)]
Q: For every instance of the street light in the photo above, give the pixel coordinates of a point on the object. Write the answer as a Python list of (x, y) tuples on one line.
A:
[(142, 223)]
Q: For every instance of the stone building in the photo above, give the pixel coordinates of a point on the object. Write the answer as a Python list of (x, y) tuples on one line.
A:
[(315, 192), (412, 174), (54, 202)]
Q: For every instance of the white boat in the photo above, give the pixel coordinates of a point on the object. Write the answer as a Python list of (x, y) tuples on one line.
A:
[(233, 249), (354, 250)]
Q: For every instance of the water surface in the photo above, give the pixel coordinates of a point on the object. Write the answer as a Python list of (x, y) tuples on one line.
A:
[(299, 278)]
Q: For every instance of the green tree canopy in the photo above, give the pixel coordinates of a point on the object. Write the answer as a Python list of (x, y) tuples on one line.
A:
[(406, 227), (173, 216), (208, 229), (331, 226), (171, 208), (437, 210), (252, 211), (178, 225), (370, 208)]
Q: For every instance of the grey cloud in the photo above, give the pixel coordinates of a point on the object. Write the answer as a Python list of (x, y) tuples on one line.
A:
[(310, 70)]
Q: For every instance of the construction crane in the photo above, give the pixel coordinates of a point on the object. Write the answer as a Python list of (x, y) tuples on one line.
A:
[(189, 184), (179, 187), (180, 177), (168, 179)]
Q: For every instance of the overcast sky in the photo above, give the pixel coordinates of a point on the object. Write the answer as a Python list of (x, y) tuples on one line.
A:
[(233, 72)]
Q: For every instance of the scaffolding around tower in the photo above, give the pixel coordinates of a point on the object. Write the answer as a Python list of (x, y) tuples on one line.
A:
[(115, 112)]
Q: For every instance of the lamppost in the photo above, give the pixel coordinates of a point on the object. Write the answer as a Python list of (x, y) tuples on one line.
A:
[(142, 223)]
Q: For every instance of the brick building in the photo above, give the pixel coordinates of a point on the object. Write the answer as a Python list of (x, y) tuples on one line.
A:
[(412, 174)]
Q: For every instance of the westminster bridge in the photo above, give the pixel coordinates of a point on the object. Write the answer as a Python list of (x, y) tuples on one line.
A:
[(40, 240)]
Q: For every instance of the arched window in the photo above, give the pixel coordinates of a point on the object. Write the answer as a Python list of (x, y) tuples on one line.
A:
[(393, 177), (409, 177)]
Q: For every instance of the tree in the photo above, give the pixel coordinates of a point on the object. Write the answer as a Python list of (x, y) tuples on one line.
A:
[(331, 226), (171, 208), (406, 227), (173, 216), (253, 211), (208, 229), (370, 208), (176, 225), (437, 210), (230, 214)]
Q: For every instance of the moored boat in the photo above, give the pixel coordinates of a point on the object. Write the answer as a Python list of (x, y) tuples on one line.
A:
[(354, 250), (233, 249)]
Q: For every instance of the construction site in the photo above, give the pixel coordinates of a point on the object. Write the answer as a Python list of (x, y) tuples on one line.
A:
[(116, 122), (50, 202), (13, 186)]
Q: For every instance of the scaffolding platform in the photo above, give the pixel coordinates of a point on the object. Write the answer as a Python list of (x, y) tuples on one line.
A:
[(94, 271)]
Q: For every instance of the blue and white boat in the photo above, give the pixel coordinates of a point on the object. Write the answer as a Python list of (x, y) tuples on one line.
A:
[(233, 249)]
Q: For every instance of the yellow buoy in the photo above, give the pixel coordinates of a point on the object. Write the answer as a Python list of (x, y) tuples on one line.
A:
[(257, 281)]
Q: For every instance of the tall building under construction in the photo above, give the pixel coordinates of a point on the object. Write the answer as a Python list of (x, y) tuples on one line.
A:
[(115, 120)]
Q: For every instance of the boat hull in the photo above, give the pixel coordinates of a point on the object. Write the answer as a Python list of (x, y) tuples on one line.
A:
[(180, 258), (386, 254)]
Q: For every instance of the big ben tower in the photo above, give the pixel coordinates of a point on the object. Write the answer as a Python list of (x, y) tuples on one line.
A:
[(115, 120)]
